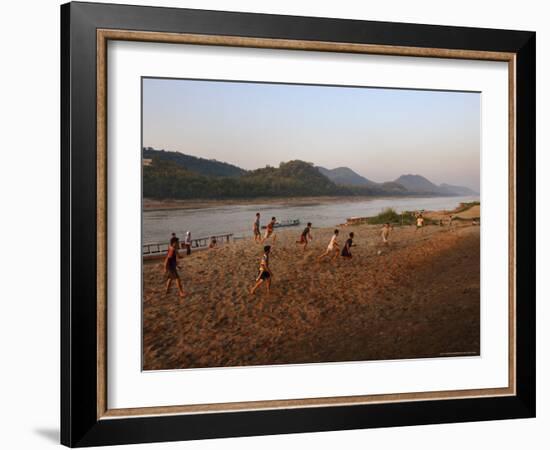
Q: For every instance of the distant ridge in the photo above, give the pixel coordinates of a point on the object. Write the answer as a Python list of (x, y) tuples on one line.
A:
[(208, 167), (417, 183), (458, 190), (420, 184), (345, 176)]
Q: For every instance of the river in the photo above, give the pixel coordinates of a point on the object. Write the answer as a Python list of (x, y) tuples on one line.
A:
[(237, 219)]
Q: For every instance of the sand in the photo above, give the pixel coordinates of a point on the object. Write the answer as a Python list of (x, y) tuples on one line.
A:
[(418, 298), (468, 214)]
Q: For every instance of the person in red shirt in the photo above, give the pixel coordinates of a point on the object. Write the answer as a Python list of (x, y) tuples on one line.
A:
[(171, 268)]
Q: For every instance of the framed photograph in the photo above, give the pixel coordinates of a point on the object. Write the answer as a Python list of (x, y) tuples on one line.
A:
[(277, 224)]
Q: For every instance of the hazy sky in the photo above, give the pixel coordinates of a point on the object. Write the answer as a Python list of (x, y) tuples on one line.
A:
[(379, 133)]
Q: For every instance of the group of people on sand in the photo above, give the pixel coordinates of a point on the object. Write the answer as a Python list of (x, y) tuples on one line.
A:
[(333, 248), (186, 244), (269, 229), (265, 275)]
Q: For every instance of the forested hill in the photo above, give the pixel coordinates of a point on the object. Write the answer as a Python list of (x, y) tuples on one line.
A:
[(173, 175), (202, 166), (165, 179)]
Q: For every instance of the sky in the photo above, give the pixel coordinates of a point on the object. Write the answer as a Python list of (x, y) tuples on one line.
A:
[(379, 133)]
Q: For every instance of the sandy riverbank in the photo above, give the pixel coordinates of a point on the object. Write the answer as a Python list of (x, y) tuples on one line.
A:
[(473, 213), (419, 298)]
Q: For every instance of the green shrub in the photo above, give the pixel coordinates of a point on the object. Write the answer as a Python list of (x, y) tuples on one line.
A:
[(389, 215)]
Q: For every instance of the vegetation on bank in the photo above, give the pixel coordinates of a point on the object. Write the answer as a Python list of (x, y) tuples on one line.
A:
[(389, 215)]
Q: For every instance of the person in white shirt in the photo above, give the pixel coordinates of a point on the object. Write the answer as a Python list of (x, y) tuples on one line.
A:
[(187, 242), (333, 247), (419, 222)]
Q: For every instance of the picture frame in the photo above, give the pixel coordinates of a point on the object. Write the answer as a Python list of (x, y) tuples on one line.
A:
[(86, 418)]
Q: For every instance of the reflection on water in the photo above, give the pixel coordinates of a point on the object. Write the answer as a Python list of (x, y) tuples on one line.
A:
[(237, 219)]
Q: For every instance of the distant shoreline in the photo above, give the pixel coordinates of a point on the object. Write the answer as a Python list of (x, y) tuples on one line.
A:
[(160, 205)]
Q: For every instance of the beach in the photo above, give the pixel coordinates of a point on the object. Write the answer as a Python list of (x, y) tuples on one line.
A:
[(418, 298)]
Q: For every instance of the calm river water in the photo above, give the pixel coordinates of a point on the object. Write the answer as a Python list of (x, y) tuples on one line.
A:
[(237, 219)]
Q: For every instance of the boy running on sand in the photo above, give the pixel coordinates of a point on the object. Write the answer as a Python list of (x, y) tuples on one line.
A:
[(264, 273), (346, 251), (333, 247), (171, 268), (256, 229), (386, 233), (269, 230), (305, 237), (419, 222)]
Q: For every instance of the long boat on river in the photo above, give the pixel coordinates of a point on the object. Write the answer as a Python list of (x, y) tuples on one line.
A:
[(285, 223)]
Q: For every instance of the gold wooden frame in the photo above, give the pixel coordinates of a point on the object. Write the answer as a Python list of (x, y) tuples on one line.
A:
[(103, 36)]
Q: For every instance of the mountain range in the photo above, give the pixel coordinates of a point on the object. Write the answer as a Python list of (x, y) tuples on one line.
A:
[(418, 184), (345, 176), (168, 174)]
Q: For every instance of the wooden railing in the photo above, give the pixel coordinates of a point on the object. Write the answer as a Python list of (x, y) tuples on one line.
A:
[(159, 248)]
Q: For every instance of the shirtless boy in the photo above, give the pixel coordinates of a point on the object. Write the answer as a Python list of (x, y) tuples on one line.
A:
[(386, 233), (305, 237), (264, 272), (256, 229), (269, 230)]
